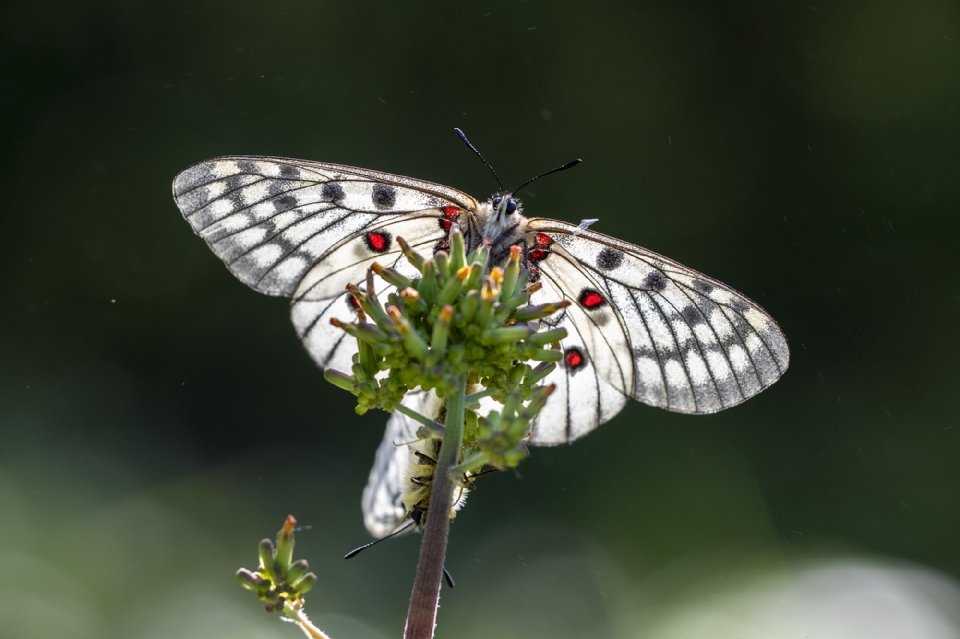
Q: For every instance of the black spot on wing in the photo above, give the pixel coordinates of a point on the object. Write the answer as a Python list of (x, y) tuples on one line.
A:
[(332, 192), (738, 305), (233, 183), (289, 172), (248, 166), (284, 203), (692, 315), (702, 286), (609, 259), (384, 196), (655, 281)]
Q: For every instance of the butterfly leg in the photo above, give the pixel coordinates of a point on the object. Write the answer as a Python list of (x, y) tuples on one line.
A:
[(505, 233), (425, 459), (485, 471), (467, 480), (448, 577)]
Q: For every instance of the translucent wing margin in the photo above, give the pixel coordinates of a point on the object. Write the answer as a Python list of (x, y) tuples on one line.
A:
[(658, 331), (271, 219), (383, 507)]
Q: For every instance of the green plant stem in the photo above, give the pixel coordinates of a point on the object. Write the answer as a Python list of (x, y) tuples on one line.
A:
[(425, 597), (476, 397), (423, 419), (301, 620)]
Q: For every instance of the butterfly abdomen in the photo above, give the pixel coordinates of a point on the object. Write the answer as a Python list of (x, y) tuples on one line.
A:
[(418, 487)]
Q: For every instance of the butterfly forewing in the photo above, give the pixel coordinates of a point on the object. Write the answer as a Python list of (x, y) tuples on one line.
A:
[(272, 219), (693, 344)]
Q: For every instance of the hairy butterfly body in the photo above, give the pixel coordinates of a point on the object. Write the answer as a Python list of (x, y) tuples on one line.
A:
[(640, 325)]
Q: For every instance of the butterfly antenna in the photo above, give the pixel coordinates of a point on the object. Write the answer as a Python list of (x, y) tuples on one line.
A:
[(568, 165), (474, 149), (356, 551)]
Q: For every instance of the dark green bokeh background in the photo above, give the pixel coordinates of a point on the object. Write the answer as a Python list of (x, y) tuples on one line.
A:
[(158, 418)]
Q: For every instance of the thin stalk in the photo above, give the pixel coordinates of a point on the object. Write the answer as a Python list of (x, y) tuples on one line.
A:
[(476, 397), (300, 618), (424, 600), (423, 419)]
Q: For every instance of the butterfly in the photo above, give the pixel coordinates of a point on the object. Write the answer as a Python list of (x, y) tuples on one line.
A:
[(639, 326)]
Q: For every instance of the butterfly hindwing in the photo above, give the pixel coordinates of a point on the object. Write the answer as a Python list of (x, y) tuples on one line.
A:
[(320, 295), (692, 344), (583, 399), (384, 510)]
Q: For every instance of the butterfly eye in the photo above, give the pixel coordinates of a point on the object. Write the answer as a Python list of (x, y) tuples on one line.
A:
[(496, 201), (511, 207)]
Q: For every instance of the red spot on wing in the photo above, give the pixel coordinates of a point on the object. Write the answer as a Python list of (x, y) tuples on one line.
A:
[(591, 299), (544, 240), (536, 255), (574, 358), (377, 241), (353, 303), (450, 215)]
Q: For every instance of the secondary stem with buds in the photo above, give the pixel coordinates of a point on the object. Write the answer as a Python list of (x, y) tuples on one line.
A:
[(422, 614)]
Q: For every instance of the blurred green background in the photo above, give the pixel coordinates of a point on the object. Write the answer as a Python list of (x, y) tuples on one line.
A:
[(158, 418)]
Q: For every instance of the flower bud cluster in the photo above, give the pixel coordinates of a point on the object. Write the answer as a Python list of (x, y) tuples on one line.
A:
[(456, 317), (279, 581)]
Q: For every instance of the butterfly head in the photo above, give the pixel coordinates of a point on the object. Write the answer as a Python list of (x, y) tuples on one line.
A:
[(505, 206)]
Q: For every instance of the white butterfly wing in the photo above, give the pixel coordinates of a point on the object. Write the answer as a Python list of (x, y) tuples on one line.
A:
[(583, 399), (306, 229), (658, 331), (383, 507)]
